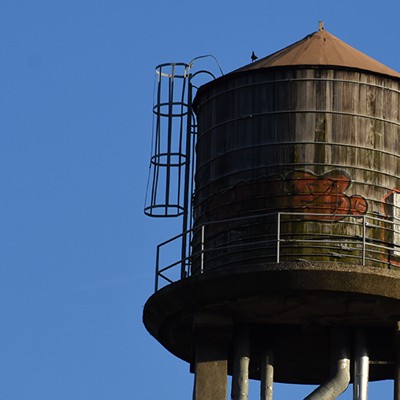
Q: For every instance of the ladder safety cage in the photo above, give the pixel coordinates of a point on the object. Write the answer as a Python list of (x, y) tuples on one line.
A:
[(170, 185), (171, 138)]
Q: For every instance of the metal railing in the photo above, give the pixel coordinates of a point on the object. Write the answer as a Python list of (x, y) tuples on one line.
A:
[(363, 240)]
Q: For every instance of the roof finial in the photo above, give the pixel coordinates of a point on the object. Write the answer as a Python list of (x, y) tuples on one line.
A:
[(320, 25)]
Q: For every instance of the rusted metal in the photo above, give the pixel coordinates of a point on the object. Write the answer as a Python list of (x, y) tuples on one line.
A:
[(319, 49)]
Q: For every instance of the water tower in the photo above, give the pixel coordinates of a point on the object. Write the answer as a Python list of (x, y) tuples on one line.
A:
[(289, 264)]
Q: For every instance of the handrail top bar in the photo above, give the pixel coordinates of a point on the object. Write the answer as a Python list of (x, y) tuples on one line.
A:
[(285, 213)]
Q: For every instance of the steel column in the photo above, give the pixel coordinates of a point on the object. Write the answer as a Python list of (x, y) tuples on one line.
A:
[(341, 378), (240, 378), (361, 367), (396, 394), (267, 375)]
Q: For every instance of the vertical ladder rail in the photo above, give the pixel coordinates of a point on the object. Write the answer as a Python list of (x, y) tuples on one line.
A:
[(186, 189)]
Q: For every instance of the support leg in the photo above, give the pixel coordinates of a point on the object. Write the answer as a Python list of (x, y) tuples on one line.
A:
[(267, 375), (397, 364), (212, 337), (211, 373), (240, 378), (361, 367), (339, 382)]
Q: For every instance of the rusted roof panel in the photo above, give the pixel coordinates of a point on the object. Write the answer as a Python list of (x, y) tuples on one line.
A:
[(321, 48)]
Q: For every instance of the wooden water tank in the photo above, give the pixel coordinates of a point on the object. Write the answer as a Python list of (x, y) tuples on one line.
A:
[(295, 214), (299, 154)]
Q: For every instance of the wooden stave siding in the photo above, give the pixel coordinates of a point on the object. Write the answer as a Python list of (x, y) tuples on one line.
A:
[(269, 122)]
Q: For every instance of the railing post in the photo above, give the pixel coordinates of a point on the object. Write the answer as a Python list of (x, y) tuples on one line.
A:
[(278, 239), (363, 240), (157, 268), (202, 250)]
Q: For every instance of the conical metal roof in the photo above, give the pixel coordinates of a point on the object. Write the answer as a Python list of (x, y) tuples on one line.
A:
[(321, 48)]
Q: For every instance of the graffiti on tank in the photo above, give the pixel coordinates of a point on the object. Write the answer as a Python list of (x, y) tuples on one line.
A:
[(294, 191), (323, 194)]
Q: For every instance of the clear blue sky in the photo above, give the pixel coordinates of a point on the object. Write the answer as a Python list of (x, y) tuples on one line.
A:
[(76, 251)]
